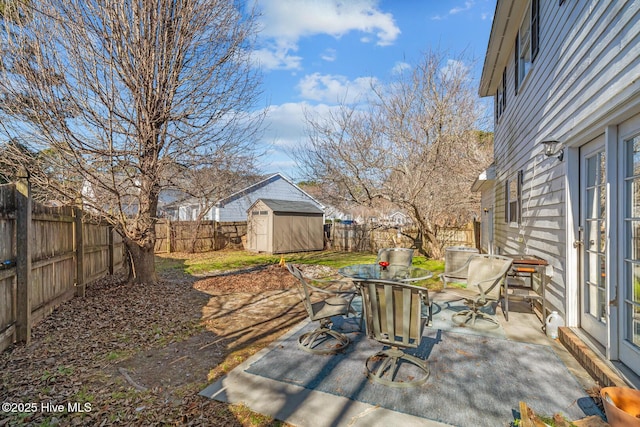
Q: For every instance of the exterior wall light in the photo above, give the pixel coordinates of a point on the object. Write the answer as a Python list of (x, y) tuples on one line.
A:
[(550, 148)]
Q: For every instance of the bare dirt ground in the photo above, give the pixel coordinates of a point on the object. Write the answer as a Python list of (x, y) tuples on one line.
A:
[(127, 355)]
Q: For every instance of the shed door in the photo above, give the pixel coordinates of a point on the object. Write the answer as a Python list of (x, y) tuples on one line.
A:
[(261, 223)]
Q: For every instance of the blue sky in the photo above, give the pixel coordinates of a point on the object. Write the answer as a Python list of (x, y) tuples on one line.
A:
[(316, 52)]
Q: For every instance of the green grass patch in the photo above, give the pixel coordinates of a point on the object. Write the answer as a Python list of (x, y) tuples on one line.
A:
[(228, 260)]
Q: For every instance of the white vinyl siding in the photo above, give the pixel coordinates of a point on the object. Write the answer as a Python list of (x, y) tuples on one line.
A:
[(588, 65)]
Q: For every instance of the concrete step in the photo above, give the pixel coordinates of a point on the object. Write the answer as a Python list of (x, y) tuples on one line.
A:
[(591, 361)]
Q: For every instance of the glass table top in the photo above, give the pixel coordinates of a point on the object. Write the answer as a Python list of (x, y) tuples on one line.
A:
[(392, 272)]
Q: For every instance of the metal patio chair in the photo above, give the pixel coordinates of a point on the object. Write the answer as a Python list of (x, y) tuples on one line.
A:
[(321, 305), (484, 275), (393, 313), (395, 256)]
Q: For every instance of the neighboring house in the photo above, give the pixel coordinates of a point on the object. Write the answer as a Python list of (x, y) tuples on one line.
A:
[(234, 207), (369, 215), (397, 218), (333, 213), (569, 71), (175, 205), (277, 186)]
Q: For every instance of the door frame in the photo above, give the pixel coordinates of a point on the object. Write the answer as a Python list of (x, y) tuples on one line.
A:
[(593, 326), (573, 301), (627, 353)]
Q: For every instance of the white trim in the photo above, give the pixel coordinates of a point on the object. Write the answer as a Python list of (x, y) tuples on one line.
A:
[(611, 251), (572, 204)]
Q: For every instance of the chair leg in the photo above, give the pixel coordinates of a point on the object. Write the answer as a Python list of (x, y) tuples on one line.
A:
[(389, 362), (311, 340), (469, 318)]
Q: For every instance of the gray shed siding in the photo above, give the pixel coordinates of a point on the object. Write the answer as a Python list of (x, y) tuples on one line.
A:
[(281, 226)]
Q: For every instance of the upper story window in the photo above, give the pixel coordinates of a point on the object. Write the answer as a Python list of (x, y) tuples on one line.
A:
[(527, 42), (513, 199), (501, 96)]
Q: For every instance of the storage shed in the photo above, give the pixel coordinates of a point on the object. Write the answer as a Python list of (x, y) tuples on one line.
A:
[(281, 226)]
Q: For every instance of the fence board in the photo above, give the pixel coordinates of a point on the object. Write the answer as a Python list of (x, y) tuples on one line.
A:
[(53, 259), (203, 236), (371, 238), (7, 302)]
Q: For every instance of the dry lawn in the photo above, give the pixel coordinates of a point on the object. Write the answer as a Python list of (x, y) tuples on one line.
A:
[(139, 355)]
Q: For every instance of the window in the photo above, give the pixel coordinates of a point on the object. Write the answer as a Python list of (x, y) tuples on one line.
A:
[(513, 198), (527, 42), (632, 239), (501, 96)]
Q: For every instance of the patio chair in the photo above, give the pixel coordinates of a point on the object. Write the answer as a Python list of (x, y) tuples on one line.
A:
[(484, 275), (395, 256), (393, 313), (321, 305)]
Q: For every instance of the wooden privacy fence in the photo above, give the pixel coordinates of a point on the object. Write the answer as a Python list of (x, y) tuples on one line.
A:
[(47, 255), (204, 236), (370, 238), (198, 236)]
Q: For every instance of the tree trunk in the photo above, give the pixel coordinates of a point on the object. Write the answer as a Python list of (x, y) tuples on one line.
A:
[(143, 269), (428, 243)]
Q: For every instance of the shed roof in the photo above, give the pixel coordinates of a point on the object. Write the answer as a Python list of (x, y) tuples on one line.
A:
[(282, 206)]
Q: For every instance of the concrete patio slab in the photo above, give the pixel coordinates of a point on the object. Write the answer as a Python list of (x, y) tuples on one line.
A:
[(303, 406)]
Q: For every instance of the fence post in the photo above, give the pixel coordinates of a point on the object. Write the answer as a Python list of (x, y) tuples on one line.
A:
[(168, 235), (111, 249), (80, 285), (23, 257)]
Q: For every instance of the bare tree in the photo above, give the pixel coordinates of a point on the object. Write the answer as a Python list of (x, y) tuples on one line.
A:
[(126, 96), (415, 144)]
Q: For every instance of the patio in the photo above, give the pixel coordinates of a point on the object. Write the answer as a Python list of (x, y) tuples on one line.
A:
[(477, 378)]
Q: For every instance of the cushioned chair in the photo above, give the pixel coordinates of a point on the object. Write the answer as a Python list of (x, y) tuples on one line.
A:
[(484, 275), (321, 305), (395, 256), (393, 314)]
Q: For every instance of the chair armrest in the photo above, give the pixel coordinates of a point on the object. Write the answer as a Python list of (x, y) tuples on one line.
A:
[(339, 292), (494, 281), (460, 272)]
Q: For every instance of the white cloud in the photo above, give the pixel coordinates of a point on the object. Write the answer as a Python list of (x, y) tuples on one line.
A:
[(285, 22), (333, 88), (454, 68), (285, 124), (399, 67), (467, 5), (285, 132), (329, 55), (270, 59)]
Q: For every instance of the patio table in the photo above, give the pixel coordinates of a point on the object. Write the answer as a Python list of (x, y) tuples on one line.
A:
[(361, 273), (396, 273)]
